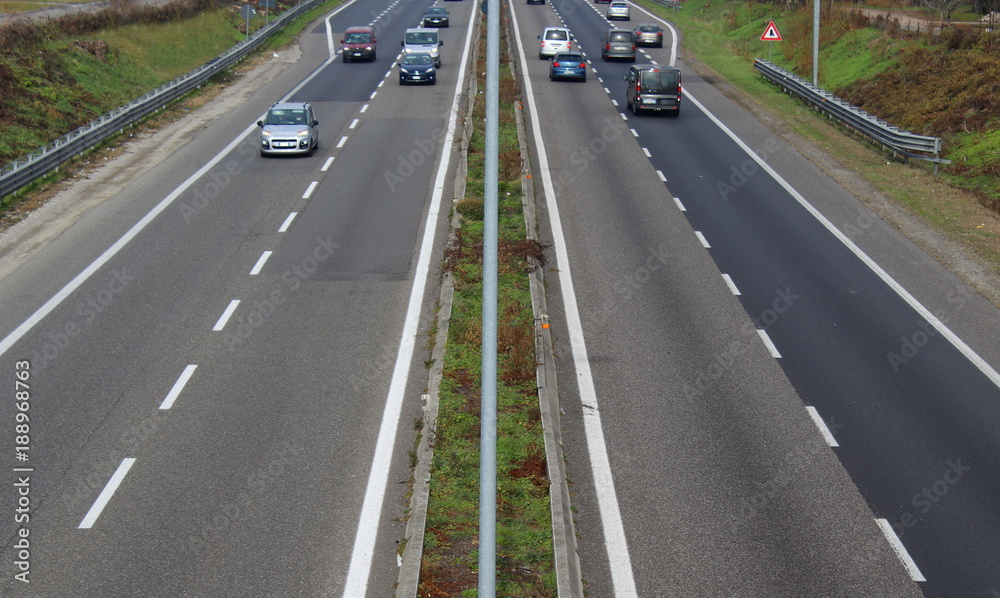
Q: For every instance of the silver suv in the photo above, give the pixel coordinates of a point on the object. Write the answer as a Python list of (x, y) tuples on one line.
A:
[(618, 43), (423, 39), (653, 88), (289, 128), (554, 40)]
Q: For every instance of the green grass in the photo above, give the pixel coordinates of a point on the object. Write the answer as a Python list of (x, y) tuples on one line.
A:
[(524, 531)]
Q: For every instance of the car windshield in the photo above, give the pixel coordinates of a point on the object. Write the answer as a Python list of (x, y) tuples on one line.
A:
[(357, 38), (417, 59), (568, 58), (420, 37), (621, 36), (659, 79), (556, 34), (435, 10), (286, 116)]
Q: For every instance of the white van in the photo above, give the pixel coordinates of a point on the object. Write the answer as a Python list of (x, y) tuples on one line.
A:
[(423, 39)]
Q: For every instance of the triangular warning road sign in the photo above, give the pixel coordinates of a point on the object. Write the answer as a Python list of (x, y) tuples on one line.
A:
[(771, 33)]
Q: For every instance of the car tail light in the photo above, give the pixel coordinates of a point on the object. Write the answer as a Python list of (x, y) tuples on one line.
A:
[(607, 46), (569, 45), (583, 66), (555, 64)]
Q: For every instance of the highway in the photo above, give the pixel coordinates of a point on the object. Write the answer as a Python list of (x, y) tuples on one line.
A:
[(770, 391), (224, 359)]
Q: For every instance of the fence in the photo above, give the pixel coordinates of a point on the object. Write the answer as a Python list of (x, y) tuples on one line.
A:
[(903, 143)]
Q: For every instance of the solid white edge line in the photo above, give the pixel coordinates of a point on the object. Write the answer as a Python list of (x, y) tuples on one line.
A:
[(823, 429), (178, 386), (615, 541), (767, 343), (704, 241), (362, 553), (330, 44), (912, 301), (731, 284), (310, 189), (260, 263), (288, 222), (221, 323), (897, 546), (109, 490)]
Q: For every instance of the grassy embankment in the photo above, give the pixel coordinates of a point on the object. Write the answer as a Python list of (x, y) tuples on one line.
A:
[(524, 530), (58, 75), (942, 85)]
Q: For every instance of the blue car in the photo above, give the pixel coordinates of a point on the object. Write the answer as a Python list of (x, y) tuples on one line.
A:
[(417, 67), (568, 65)]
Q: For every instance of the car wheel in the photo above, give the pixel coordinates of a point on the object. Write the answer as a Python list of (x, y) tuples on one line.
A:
[(401, 82), (344, 56), (541, 56), (373, 56)]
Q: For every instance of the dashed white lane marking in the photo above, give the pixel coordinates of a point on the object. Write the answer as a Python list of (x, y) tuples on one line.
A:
[(309, 190), (904, 556), (354, 123), (326, 165), (704, 241), (109, 490), (226, 315), (364, 109), (767, 343), (175, 391), (823, 429), (662, 176), (288, 222), (260, 263), (645, 150), (680, 206), (731, 284), (342, 141)]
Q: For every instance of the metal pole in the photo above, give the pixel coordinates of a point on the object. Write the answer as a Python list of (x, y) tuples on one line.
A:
[(816, 42), (488, 416)]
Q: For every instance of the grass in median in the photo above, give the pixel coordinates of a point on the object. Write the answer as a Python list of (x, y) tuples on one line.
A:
[(934, 85), (524, 530)]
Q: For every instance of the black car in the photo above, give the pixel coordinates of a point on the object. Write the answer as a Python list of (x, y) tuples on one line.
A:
[(417, 67), (435, 16), (653, 88)]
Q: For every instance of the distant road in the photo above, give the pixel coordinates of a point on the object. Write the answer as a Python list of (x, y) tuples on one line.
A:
[(53, 11)]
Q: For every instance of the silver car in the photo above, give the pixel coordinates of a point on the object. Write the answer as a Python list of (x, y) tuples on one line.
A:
[(618, 10), (423, 39), (648, 34), (289, 128), (553, 41)]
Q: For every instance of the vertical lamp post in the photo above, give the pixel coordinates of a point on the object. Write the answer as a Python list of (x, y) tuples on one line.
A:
[(488, 415)]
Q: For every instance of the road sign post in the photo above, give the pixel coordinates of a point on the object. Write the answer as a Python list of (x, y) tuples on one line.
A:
[(770, 35)]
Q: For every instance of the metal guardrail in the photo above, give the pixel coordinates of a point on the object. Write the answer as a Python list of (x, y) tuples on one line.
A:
[(672, 4), (902, 142), (23, 171)]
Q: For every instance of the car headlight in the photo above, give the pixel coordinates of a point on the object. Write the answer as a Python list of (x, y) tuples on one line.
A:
[(303, 133), (265, 133)]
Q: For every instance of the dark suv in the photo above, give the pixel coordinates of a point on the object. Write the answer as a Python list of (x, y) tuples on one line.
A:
[(653, 88), (618, 43)]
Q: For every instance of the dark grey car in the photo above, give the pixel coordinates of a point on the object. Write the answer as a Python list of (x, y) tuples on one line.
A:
[(654, 88), (618, 43)]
